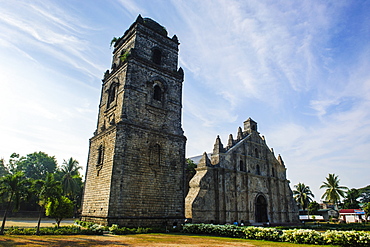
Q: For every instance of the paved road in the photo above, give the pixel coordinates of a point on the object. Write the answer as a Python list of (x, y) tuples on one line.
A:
[(32, 222)]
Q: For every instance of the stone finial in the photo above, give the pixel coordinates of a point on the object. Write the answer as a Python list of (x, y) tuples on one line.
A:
[(174, 38), (218, 147), (280, 159), (240, 134), (272, 151), (106, 74), (230, 142), (204, 161), (139, 19), (180, 72)]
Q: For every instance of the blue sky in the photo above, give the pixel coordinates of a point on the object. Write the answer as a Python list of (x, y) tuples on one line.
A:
[(301, 69)]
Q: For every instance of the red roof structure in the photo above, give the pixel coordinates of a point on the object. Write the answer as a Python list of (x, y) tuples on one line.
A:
[(351, 211)]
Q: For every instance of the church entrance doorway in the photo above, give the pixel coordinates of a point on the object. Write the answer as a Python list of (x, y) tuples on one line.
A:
[(261, 209)]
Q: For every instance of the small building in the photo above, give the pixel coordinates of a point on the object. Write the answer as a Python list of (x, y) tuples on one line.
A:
[(319, 215), (352, 215), (328, 213)]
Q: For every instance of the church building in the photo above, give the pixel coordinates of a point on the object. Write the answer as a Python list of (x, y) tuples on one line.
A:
[(243, 181)]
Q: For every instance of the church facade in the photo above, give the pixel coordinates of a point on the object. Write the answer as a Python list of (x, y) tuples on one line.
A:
[(243, 181)]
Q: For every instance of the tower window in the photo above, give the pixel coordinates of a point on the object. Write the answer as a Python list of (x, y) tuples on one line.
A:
[(157, 93), (99, 163), (157, 56), (258, 170), (111, 94)]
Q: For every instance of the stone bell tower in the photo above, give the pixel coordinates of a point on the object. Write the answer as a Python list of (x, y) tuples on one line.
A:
[(135, 174)]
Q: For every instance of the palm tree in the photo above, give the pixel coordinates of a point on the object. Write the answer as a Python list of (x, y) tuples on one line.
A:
[(70, 177), (47, 190), (14, 187), (333, 191), (302, 195)]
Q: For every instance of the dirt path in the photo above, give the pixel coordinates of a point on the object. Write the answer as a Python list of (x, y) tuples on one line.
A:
[(127, 240)]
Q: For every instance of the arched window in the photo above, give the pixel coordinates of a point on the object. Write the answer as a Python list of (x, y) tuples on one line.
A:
[(258, 170), (100, 159), (111, 94), (273, 172), (157, 95), (157, 56)]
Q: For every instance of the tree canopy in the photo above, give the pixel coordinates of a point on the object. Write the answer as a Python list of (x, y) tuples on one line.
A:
[(59, 209), (36, 165), (71, 179), (14, 188), (302, 195), (313, 207), (37, 179), (350, 201), (334, 192)]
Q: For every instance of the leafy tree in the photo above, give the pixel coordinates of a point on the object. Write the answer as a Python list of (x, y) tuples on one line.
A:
[(59, 209), (313, 207), (14, 187), (13, 161), (333, 191), (189, 172), (350, 201), (3, 169), (47, 190), (36, 165), (302, 195), (366, 209), (190, 168), (365, 194)]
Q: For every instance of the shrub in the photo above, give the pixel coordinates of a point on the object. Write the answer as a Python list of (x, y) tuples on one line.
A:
[(115, 229), (298, 236), (260, 233), (302, 236), (84, 223), (20, 231), (347, 238), (66, 230), (218, 230)]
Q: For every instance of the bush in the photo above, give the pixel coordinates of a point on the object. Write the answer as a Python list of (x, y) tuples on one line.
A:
[(302, 236), (66, 230), (298, 236), (218, 230), (84, 223), (259, 233), (114, 229), (347, 238)]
